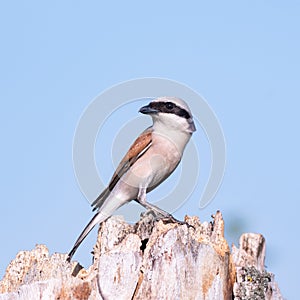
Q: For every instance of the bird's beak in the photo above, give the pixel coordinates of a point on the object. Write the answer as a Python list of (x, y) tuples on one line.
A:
[(148, 110)]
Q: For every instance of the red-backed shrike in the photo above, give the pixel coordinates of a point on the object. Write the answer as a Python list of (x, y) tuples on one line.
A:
[(153, 156)]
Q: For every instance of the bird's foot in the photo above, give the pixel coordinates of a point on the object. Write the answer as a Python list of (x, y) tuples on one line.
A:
[(171, 219)]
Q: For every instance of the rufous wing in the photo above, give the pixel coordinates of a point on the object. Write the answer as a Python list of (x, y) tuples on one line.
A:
[(137, 149)]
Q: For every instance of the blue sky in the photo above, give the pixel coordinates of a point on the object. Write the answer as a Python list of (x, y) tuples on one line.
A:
[(241, 56)]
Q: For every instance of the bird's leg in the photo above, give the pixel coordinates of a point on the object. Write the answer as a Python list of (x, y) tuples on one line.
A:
[(141, 199)]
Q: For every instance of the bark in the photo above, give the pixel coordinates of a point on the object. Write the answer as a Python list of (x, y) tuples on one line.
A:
[(148, 260)]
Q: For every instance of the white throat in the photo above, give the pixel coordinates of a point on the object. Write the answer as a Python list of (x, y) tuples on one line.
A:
[(179, 137)]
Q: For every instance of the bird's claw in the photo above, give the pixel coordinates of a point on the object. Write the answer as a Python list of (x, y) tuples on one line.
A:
[(171, 219)]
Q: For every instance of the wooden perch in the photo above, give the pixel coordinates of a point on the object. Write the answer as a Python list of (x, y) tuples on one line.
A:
[(148, 260)]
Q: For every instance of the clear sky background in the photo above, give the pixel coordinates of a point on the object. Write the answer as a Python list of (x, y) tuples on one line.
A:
[(242, 56)]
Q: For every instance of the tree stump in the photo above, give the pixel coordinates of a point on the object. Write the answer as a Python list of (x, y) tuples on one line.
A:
[(148, 260)]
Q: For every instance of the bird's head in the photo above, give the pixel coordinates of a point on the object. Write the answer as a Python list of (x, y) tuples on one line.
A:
[(171, 112)]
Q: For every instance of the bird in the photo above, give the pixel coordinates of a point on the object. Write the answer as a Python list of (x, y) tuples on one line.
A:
[(152, 158)]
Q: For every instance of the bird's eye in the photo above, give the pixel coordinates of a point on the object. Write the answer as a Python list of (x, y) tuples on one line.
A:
[(170, 105)]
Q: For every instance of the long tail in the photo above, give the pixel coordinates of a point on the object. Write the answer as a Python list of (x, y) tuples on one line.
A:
[(98, 218)]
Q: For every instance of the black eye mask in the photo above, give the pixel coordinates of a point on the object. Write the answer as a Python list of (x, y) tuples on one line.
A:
[(171, 108)]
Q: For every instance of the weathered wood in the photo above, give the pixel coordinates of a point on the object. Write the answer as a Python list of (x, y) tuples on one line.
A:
[(148, 260), (36, 275), (177, 262), (253, 281)]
